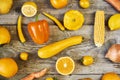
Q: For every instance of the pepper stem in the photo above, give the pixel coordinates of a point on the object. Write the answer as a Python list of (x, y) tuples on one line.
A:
[(37, 17)]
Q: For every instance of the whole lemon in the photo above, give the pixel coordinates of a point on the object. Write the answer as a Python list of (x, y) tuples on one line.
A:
[(8, 67)]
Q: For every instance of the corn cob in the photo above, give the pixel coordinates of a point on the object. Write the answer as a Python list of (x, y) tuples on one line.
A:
[(99, 28)]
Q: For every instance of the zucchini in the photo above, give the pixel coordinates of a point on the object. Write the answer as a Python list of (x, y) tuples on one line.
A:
[(56, 47)]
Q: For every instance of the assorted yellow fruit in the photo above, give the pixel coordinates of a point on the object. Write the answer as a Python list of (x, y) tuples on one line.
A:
[(29, 9), (8, 67), (5, 6), (5, 36), (110, 76), (24, 56), (65, 65), (114, 22), (87, 60), (73, 20), (84, 3)]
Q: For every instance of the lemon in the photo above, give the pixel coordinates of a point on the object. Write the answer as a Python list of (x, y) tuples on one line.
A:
[(73, 20), (110, 76), (24, 56), (29, 9), (5, 36), (114, 22), (65, 65)]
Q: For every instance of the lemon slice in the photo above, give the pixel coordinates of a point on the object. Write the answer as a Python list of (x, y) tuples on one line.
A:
[(29, 9), (73, 20), (65, 65)]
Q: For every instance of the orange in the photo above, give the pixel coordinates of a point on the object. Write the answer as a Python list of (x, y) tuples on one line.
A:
[(59, 3), (110, 76), (73, 20), (8, 67), (65, 65), (29, 9)]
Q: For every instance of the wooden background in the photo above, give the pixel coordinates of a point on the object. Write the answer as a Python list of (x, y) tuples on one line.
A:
[(34, 63)]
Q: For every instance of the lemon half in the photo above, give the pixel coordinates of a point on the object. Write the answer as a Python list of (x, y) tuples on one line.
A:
[(29, 9)]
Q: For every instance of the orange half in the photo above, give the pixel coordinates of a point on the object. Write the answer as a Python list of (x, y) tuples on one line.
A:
[(65, 65)]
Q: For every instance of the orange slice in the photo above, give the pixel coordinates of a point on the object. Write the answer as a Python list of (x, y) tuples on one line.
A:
[(73, 20), (65, 65), (29, 9)]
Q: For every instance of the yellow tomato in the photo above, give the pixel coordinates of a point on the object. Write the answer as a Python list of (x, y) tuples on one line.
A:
[(59, 3), (84, 3), (87, 60), (24, 56)]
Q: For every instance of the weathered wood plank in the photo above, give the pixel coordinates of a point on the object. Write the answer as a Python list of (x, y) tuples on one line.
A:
[(76, 52), (34, 63), (44, 5)]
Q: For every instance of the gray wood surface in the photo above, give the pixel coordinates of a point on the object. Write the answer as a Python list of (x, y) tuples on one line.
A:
[(34, 63)]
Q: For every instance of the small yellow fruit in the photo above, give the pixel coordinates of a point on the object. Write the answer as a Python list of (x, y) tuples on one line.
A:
[(114, 22), (73, 20), (8, 67), (110, 76), (29, 9), (84, 3), (87, 60), (65, 65), (4, 35), (49, 78), (24, 56), (5, 6)]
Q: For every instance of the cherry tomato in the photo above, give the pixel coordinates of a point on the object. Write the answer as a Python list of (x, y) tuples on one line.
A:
[(59, 3), (84, 3)]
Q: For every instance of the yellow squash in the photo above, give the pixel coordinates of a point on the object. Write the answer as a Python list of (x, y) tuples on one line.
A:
[(54, 48), (73, 20), (19, 28)]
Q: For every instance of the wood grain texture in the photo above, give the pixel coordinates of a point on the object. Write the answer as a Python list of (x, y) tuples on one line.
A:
[(34, 63)]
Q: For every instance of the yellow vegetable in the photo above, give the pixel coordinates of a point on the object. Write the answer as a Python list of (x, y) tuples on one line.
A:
[(54, 48), (49, 78), (55, 20), (73, 20), (19, 28), (8, 67), (110, 76), (24, 56), (4, 35), (87, 60), (99, 28), (114, 22), (84, 3), (5, 6)]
